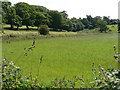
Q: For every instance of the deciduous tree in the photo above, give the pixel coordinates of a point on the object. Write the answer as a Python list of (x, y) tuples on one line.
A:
[(102, 25)]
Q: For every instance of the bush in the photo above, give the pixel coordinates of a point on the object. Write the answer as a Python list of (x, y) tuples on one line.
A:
[(12, 77), (43, 30), (108, 79)]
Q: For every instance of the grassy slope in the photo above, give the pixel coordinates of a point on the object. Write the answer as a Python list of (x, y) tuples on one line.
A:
[(63, 56)]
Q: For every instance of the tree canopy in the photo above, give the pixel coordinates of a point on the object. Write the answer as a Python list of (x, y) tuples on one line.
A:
[(32, 15)]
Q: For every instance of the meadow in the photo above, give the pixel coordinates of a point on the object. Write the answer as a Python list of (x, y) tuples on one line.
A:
[(63, 56), (43, 48)]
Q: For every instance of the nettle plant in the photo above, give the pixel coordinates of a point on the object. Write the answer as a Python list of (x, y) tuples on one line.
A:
[(109, 78), (12, 77), (76, 82), (117, 55)]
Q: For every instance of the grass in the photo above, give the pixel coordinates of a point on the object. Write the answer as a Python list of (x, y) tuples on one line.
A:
[(114, 28), (32, 30), (71, 54), (63, 56)]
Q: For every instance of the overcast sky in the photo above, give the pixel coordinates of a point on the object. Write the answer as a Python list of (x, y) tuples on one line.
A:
[(79, 8)]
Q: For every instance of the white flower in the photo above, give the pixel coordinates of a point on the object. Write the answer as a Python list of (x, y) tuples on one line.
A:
[(17, 67), (11, 63), (4, 59), (109, 76), (115, 72), (5, 67), (118, 79)]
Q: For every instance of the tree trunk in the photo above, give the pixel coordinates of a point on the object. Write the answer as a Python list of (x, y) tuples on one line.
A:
[(27, 27), (118, 26), (17, 27), (11, 26)]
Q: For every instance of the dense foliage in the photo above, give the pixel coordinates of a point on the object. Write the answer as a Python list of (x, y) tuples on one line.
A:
[(43, 30), (109, 78), (102, 25), (32, 15), (13, 78)]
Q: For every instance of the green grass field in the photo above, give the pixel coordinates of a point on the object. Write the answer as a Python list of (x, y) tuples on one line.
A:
[(63, 56)]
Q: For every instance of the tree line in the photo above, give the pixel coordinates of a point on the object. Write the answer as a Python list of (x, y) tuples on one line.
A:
[(32, 15)]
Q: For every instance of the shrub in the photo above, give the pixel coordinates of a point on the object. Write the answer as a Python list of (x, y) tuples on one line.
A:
[(12, 35), (109, 78), (43, 30), (12, 77)]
